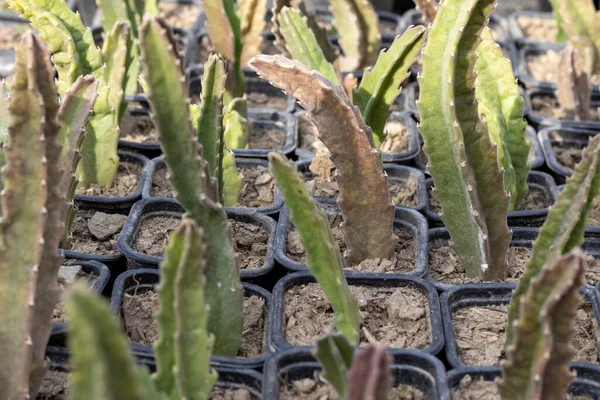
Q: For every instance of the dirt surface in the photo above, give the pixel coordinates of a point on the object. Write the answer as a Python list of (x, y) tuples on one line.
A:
[(97, 234), (205, 47), (258, 186), (318, 389), (397, 140), (535, 199), (139, 310), (138, 129), (59, 314), (125, 183), (538, 29), (568, 155), (55, 386), (230, 394), (266, 139), (268, 101), (548, 107), (179, 15), (10, 35), (475, 389), (404, 258), (480, 333), (544, 67), (395, 317), (249, 241)]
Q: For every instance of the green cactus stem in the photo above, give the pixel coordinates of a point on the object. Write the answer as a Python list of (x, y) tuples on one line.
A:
[(380, 85), (358, 26), (232, 180), (253, 22), (184, 346), (335, 353), (564, 226), (74, 114), (537, 361), (322, 251), (237, 127), (579, 21), (500, 102), (364, 199), (370, 376), (462, 158), (301, 43), (22, 227), (574, 88), (560, 33), (191, 180), (102, 366)]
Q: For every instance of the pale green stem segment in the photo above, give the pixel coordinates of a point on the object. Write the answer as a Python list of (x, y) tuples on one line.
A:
[(237, 127), (74, 115), (103, 367), (4, 123), (381, 85), (537, 361), (370, 376), (364, 198), (323, 253), (463, 160), (184, 345), (335, 353), (191, 180), (501, 104), (301, 43), (358, 26), (561, 36), (224, 29), (232, 179), (564, 226), (253, 15), (574, 90), (22, 227), (582, 27)]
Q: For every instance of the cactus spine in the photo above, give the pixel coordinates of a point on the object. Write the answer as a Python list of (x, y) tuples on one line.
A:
[(462, 158), (537, 360), (194, 187), (364, 199), (574, 89), (323, 253)]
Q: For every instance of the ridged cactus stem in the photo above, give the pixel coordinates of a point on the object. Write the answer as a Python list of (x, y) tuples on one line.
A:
[(190, 177), (23, 220), (323, 253), (253, 21), (335, 353), (102, 365), (381, 85), (462, 158), (364, 198), (358, 26), (574, 88), (370, 376), (537, 361), (564, 226)]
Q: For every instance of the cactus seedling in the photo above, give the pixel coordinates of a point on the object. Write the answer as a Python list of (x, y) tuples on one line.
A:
[(35, 208), (192, 180), (360, 375), (102, 365), (323, 253), (574, 89)]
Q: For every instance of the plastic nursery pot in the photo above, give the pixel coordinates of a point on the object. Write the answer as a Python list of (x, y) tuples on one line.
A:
[(142, 280), (229, 378), (562, 137), (481, 295), (536, 154), (586, 383), (168, 208), (534, 99), (138, 123), (404, 218), (277, 322), (402, 118), (254, 87), (412, 368), (117, 204), (271, 210), (8, 57), (518, 34), (536, 180), (397, 173), (102, 274)]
